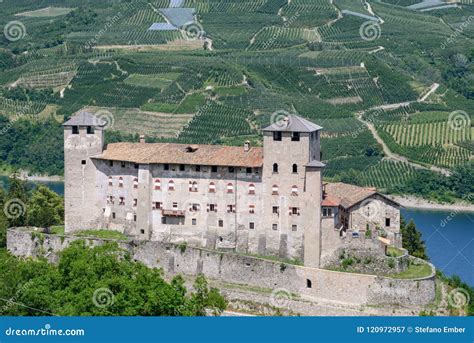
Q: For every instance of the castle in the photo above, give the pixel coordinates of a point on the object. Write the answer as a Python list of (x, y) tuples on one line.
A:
[(253, 200)]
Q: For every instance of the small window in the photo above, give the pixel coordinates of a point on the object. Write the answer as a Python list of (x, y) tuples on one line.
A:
[(83, 162), (194, 207), (274, 190), (122, 201), (90, 130), (120, 182), (113, 215), (135, 166), (175, 206), (251, 225), (135, 182), (142, 231), (134, 217), (111, 163), (231, 169), (294, 227), (197, 168), (251, 209), (135, 202), (295, 169), (295, 136), (294, 211), (275, 227), (157, 205), (122, 164), (275, 210), (212, 187), (220, 223), (181, 167), (214, 169), (275, 168), (75, 130), (387, 221), (294, 190), (163, 220), (248, 170), (251, 188), (193, 221), (230, 208), (157, 184), (193, 186), (230, 188), (309, 284), (166, 166), (277, 136), (171, 185), (212, 208)]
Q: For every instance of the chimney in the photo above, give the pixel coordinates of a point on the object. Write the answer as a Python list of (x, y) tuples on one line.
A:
[(142, 139), (247, 146)]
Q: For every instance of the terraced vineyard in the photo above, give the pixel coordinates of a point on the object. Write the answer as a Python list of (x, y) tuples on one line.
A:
[(387, 174)]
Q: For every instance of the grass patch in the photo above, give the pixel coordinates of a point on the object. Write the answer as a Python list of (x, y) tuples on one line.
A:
[(57, 230), (159, 107), (414, 271), (394, 252), (230, 91), (160, 81), (106, 234), (191, 103)]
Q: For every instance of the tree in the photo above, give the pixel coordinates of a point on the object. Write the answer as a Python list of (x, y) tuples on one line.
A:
[(16, 201), (3, 220), (411, 239), (46, 208)]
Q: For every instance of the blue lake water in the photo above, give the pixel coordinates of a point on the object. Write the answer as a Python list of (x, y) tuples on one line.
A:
[(449, 236), (449, 239)]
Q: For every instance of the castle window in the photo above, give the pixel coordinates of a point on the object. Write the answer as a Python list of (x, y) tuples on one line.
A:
[(251, 209), (113, 215), (175, 206), (135, 182), (214, 169), (122, 164), (122, 201), (135, 202), (197, 168), (135, 165), (111, 163), (231, 169), (194, 207), (212, 187), (251, 225), (193, 221), (110, 199), (211, 207), (294, 190), (275, 210), (295, 169), (248, 170), (277, 136), (230, 208), (294, 227), (220, 223), (157, 205), (275, 168), (166, 166), (163, 220), (83, 162), (75, 130), (157, 184), (171, 185), (308, 283), (274, 227), (181, 167), (295, 136), (120, 182), (230, 188), (274, 190), (90, 130), (134, 217), (193, 186), (294, 211), (327, 212), (251, 188), (387, 221)]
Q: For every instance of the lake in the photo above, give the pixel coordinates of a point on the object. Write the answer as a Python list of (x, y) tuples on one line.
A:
[(58, 186), (449, 237)]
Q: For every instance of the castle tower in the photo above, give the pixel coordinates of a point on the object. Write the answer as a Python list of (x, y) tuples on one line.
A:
[(292, 187), (83, 139)]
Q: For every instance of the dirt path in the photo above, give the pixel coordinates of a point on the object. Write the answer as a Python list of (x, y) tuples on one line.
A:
[(432, 89)]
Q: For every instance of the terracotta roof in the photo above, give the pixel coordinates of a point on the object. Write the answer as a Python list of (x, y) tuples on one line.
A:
[(293, 123), (196, 154), (85, 118), (347, 195)]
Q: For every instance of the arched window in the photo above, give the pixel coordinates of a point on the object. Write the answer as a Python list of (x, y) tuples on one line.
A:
[(157, 184), (135, 182), (251, 188), (274, 190), (230, 188), (212, 187), (111, 182), (275, 167), (193, 186), (295, 168), (171, 185), (294, 190), (120, 181)]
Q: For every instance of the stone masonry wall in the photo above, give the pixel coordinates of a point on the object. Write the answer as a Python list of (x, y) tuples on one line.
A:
[(357, 289)]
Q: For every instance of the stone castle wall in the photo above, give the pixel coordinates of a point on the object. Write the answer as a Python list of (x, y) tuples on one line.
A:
[(350, 288)]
